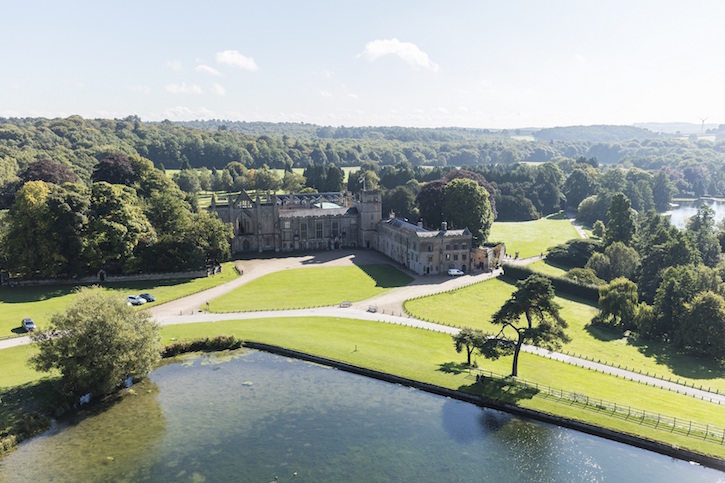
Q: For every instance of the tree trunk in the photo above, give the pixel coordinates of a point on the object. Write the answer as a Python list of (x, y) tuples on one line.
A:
[(517, 350), (469, 351)]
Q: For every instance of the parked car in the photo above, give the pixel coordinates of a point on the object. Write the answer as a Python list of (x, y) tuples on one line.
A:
[(148, 297), (454, 272), (28, 325), (136, 300)]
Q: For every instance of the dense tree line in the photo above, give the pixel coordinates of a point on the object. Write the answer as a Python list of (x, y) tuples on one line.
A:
[(657, 281), (129, 218), (695, 167)]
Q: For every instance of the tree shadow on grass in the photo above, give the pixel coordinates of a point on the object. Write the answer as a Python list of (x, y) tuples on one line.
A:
[(500, 390), (386, 276), (454, 367), (21, 295), (681, 364), (603, 333)]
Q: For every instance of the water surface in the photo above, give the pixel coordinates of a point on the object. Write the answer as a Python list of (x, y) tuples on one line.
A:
[(254, 416)]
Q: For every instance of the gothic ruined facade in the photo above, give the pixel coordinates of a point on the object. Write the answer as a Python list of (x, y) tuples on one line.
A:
[(329, 221)]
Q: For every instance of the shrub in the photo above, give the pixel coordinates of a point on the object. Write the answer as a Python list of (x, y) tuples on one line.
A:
[(218, 343)]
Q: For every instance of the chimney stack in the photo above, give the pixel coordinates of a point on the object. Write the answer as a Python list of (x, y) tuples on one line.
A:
[(444, 226)]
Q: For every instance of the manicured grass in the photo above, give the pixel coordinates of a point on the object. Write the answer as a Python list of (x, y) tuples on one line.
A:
[(547, 268), (41, 302), (311, 287), (474, 306), (430, 357), (15, 368), (530, 238)]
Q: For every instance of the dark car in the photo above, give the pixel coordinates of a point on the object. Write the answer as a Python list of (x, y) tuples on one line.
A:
[(148, 297), (28, 325)]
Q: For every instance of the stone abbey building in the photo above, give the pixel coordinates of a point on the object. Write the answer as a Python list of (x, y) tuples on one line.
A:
[(330, 221)]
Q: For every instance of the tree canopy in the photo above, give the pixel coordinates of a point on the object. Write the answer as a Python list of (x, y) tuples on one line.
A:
[(542, 325), (97, 343)]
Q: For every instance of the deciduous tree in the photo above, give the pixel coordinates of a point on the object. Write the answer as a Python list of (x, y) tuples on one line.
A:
[(469, 339), (466, 205), (97, 343)]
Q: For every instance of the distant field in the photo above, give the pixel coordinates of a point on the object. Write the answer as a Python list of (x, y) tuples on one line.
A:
[(530, 238), (41, 302), (527, 137), (311, 287)]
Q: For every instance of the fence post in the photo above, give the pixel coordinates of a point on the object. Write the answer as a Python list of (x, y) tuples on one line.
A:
[(689, 429), (707, 431)]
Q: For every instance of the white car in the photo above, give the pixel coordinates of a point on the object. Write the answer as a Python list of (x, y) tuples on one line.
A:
[(136, 300), (28, 325), (454, 272)]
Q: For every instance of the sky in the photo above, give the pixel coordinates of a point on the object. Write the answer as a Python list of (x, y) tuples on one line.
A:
[(478, 64)]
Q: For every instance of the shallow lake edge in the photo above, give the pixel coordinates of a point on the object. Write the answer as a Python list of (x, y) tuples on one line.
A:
[(625, 438)]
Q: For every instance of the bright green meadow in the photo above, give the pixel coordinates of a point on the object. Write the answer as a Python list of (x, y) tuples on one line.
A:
[(531, 238), (310, 287)]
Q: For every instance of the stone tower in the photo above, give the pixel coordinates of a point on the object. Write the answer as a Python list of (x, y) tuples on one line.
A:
[(370, 207)]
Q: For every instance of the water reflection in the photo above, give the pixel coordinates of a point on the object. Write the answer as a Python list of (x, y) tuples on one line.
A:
[(256, 416), (687, 209)]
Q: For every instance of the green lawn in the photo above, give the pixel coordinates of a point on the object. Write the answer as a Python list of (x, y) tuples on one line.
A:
[(311, 287), (430, 357), (40, 302), (547, 268), (530, 238), (474, 306)]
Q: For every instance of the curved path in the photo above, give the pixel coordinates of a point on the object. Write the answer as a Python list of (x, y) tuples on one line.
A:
[(188, 309)]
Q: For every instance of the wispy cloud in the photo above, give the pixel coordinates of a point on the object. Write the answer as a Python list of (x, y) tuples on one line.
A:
[(173, 65), (183, 88), (235, 59), (218, 89), (207, 70), (324, 93), (406, 51)]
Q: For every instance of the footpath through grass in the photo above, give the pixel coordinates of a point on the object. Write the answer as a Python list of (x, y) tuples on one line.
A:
[(41, 302), (531, 238), (311, 287), (430, 357), (474, 306)]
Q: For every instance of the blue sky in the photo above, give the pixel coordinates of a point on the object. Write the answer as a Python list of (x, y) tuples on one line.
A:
[(481, 64)]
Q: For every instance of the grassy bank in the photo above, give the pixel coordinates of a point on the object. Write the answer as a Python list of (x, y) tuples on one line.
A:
[(430, 357)]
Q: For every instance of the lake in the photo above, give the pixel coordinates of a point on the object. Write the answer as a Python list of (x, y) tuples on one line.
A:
[(686, 209), (256, 417)]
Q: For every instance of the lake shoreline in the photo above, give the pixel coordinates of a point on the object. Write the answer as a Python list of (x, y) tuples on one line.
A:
[(642, 443)]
